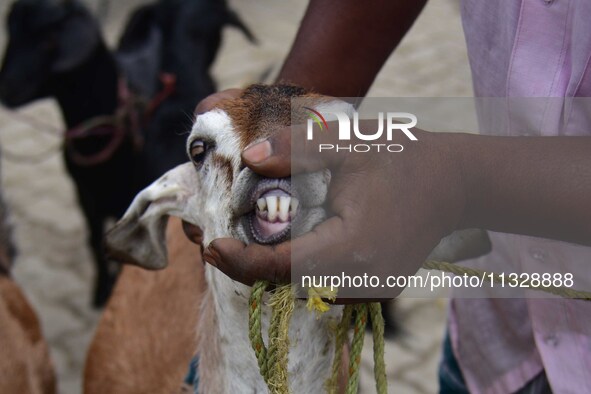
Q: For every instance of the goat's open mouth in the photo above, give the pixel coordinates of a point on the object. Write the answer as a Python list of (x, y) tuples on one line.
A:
[(270, 222)]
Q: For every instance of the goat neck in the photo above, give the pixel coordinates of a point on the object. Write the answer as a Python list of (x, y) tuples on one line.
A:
[(229, 366)]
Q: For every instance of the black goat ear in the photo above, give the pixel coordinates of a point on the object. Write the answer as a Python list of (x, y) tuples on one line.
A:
[(140, 51), (233, 19), (78, 37), (138, 29)]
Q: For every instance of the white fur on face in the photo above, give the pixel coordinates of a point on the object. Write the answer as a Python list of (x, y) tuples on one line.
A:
[(216, 126)]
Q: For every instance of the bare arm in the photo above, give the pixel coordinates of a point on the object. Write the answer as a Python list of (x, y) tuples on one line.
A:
[(342, 45), (538, 186)]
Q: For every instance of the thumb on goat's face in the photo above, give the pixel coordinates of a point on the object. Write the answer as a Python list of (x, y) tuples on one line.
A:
[(271, 157), (288, 152)]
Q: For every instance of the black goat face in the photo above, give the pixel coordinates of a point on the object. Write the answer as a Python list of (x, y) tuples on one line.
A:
[(180, 37), (45, 37), (202, 22), (193, 34)]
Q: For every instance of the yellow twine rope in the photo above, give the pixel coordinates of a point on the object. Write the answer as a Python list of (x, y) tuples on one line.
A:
[(356, 347), (272, 360)]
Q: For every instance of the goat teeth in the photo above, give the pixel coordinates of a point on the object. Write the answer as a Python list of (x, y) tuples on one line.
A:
[(262, 204), (284, 208), (294, 206), (272, 208)]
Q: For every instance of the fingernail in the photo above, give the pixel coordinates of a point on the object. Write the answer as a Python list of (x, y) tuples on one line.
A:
[(257, 153), (211, 256)]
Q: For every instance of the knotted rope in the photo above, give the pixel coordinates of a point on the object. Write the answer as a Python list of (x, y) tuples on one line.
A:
[(272, 360)]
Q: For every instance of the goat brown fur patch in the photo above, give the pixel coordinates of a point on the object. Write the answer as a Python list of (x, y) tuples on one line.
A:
[(262, 110), (225, 165)]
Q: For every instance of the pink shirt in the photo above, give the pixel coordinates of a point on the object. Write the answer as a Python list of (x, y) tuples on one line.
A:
[(528, 48)]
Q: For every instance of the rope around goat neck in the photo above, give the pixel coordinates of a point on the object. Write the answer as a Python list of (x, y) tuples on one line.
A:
[(272, 360)]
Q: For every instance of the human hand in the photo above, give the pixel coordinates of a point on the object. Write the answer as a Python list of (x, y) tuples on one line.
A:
[(387, 210)]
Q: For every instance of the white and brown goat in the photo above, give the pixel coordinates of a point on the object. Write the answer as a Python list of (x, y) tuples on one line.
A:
[(218, 194)]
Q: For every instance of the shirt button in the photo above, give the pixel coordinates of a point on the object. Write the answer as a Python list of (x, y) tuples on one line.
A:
[(538, 254), (551, 340), (548, 2)]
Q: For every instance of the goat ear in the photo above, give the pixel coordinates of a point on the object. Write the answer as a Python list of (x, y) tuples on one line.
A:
[(78, 37), (233, 19), (138, 29), (139, 237), (139, 51)]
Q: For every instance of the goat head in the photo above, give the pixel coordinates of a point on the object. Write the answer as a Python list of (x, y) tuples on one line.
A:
[(45, 37), (215, 192)]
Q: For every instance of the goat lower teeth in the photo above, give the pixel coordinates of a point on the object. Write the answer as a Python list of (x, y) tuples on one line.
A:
[(272, 208), (278, 207), (262, 204), (284, 208)]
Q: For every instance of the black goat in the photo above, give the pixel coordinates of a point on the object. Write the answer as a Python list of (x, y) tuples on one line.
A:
[(188, 33), (56, 50)]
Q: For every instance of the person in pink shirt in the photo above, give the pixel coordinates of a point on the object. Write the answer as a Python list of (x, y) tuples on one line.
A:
[(514, 181)]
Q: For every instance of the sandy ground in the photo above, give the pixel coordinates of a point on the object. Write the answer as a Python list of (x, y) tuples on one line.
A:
[(53, 265)]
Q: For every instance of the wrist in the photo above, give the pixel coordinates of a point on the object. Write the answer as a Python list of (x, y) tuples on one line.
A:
[(450, 157), (470, 164)]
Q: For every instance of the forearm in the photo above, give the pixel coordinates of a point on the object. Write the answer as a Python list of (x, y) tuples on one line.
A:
[(341, 45), (539, 186)]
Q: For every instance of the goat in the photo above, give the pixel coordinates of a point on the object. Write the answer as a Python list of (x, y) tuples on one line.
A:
[(190, 36), (146, 335), (56, 50), (25, 366), (216, 193)]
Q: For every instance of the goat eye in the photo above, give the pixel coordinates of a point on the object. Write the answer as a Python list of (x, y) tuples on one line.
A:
[(197, 151)]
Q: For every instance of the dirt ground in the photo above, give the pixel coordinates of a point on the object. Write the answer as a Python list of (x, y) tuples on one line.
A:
[(54, 265)]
